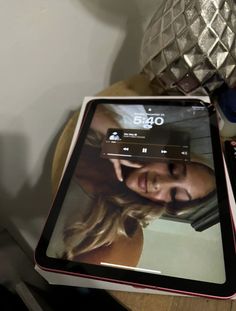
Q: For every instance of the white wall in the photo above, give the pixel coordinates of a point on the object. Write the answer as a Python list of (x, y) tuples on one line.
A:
[(52, 54), (176, 249)]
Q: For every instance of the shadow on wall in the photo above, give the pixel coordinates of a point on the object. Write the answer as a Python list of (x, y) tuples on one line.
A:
[(25, 187), (120, 14), (27, 204)]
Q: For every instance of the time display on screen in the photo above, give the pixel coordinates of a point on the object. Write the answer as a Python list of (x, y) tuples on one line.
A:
[(148, 120)]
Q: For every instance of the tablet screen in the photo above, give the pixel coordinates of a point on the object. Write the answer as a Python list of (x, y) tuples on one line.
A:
[(142, 193)]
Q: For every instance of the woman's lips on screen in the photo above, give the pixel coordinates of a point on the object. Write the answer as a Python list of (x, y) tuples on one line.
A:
[(142, 182)]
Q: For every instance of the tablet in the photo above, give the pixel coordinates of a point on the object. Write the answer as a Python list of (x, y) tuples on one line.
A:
[(143, 200)]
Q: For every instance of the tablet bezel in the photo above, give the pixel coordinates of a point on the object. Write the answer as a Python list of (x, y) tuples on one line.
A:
[(124, 276)]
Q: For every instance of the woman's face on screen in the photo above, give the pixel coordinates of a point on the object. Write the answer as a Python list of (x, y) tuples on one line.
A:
[(171, 181)]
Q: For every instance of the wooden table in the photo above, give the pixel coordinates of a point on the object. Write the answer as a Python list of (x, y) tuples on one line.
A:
[(136, 86)]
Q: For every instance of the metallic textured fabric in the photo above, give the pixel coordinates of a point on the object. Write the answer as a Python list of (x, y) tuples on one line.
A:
[(189, 46)]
